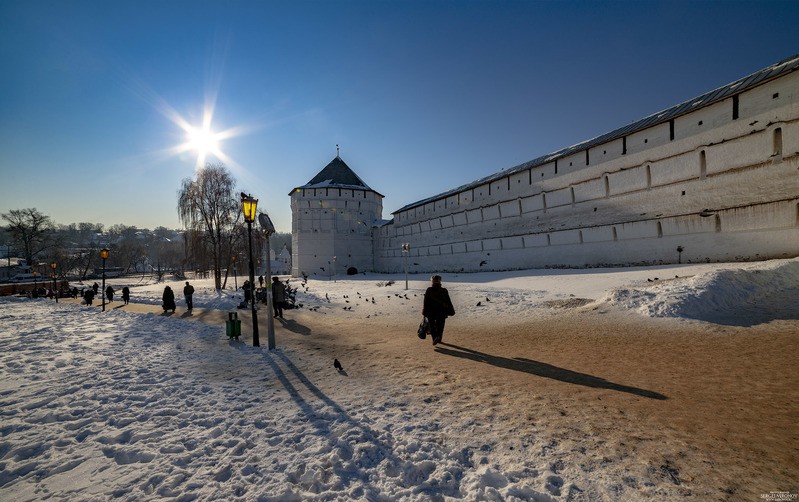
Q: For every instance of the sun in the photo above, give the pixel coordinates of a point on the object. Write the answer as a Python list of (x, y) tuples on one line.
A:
[(203, 141)]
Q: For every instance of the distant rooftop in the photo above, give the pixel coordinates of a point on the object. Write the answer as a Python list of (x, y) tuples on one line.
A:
[(776, 70)]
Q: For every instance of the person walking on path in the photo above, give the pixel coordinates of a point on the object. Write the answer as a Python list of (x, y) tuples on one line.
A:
[(126, 295), (247, 291), (109, 293), (188, 291), (95, 287), (278, 296), (88, 296), (169, 299), (437, 307)]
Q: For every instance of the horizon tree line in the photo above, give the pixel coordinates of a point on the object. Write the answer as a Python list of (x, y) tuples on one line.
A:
[(212, 240)]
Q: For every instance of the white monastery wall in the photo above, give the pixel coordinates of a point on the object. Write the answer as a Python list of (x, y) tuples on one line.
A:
[(630, 200)]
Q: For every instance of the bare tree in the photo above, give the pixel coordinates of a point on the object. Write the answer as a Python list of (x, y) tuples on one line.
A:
[(208, 205), (30, 230)]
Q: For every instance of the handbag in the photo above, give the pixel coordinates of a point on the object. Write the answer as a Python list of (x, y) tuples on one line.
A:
[(424, 328)]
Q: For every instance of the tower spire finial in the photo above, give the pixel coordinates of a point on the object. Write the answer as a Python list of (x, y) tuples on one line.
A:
[(337, 150)]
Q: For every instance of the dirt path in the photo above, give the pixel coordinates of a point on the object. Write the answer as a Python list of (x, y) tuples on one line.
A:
[(609, 402)]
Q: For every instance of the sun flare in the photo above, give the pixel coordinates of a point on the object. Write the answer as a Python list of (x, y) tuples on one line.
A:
[(202, 140)]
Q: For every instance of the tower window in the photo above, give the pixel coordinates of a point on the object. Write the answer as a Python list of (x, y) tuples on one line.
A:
[(777, 142)]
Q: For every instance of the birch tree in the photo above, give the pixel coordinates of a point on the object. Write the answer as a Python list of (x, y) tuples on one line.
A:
[(208, 204)]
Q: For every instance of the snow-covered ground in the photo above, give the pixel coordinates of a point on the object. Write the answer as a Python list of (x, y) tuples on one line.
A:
[(748, 293), (129, 406)]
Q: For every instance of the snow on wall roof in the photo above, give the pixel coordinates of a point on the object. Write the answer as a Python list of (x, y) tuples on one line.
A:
[(769, 73)]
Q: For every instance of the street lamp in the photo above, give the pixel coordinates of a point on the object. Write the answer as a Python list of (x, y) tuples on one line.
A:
[(55, 286), (248, 207), (104, 255), (269, 229), (406, 250)]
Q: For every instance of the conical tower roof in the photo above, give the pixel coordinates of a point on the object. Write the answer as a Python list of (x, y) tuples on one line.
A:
[(337, 174)]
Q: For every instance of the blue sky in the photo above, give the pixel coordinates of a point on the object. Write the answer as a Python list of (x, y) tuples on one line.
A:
[(422, 96)]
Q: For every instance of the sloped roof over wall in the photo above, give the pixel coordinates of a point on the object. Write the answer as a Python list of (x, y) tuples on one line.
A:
[(337, 174), (776, 70)]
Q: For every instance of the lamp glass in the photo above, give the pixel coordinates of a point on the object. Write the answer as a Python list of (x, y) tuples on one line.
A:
[(104, 254), (53, 265), (248, 206)]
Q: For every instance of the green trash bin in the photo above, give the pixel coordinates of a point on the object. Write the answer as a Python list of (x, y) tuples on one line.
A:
[(233, 325)]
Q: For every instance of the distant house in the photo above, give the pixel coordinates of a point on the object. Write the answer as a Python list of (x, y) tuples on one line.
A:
[(283, 262), (10, 267)]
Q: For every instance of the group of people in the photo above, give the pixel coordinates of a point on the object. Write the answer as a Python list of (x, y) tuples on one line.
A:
[(168, 298), (278, 295), (437, 305), (89, 294)]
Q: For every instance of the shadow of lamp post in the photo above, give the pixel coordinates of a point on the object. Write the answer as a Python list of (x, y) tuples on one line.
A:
[(269, 229), (248, 207)]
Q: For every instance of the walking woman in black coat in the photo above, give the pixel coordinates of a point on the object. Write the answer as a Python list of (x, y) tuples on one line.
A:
[(169, 299), (437, 307)]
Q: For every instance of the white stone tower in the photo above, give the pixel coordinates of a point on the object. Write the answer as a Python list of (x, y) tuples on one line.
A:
[(331, 223)]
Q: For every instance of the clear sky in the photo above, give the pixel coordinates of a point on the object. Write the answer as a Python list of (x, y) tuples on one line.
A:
[(422, 96)]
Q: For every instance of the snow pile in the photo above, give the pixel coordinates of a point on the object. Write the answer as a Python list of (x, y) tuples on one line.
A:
[(743, 294)]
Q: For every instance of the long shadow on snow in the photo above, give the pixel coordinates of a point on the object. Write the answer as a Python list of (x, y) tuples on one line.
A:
[(322, 422), (544, 370), (295, 327)]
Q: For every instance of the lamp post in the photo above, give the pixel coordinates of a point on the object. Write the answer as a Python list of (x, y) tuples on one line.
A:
[(334, 269), (55, 285), (269, 229), (35, 286), (248, 207), (104, 256), (406, 250)]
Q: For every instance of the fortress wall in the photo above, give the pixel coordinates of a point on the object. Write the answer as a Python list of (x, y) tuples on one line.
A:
[(589, 190), (688, 138), (733, 235), (632, 199)]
